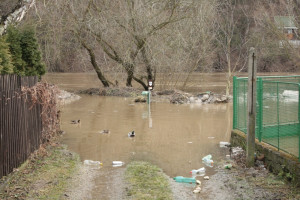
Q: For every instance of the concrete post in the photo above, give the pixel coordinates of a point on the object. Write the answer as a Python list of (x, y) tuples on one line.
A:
[(252, 68)]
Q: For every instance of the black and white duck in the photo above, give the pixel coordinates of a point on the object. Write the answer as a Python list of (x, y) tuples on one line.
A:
[(131, 134)]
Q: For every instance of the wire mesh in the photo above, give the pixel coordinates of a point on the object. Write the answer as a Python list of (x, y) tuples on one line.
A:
[(277, 111)]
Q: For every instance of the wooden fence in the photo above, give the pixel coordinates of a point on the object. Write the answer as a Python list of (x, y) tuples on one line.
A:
[(20, 122)]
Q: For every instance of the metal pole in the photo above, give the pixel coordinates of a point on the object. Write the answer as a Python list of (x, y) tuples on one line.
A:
[(252, 68)]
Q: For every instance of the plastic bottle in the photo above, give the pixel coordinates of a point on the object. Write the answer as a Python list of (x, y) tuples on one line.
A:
[(224, 144), (208, 161), (91, 162), (118, 163), (229, 166), (199, 171), (181, 179)]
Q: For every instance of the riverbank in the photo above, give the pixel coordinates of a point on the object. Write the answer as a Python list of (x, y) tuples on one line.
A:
[(44, 175)]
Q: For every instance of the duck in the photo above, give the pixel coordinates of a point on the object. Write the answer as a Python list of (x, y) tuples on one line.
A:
[(131, 134), (75, 121), (105, 131)]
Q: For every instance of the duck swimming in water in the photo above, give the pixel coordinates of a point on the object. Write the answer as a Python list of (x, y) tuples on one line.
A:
[(105, 131), (75, 121), (131, 134)]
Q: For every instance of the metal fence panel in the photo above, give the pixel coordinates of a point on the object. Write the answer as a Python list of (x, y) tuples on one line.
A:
[(277, 121)]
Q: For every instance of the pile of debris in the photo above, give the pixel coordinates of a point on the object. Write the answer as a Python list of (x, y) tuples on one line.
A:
[(202, 98)]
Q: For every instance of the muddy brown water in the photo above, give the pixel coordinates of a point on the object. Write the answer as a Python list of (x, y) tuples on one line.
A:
[(173, 137)]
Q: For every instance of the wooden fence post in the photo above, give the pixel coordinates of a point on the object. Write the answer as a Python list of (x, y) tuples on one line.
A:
[(252, 68)]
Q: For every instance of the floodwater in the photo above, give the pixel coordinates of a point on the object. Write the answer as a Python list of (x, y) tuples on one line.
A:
[(173, 137)]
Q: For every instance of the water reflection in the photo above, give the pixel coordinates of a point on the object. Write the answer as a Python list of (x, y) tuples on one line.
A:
[(175, 137)]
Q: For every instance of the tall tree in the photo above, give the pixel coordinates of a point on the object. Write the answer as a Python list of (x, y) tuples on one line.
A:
[(6, 66), (14, 39), (31, 54)]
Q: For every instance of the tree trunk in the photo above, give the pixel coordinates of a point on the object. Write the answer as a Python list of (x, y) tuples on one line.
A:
[(95, 65)]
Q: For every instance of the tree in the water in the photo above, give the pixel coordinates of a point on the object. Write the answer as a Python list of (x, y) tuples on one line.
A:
[(14, 40), (31, 54), (6, 66)]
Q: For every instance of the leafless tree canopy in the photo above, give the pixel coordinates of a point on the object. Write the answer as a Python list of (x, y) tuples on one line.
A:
[(141, 38)]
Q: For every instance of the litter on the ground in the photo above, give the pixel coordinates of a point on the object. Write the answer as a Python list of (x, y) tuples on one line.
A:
[(206, 177), (181, 179), (92, 163), (228, 156), (208, 161), (117, 163), (211, 137), (199, 172), (228, 166), (198, 182), (236, 150), (197, 190), (224, 144), (190, 142)]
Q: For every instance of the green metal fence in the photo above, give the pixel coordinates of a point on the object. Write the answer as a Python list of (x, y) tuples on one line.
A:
[(277, 108)]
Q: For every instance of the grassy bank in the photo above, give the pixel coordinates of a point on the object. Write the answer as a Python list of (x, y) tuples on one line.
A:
[(147, 182), (43, 176)]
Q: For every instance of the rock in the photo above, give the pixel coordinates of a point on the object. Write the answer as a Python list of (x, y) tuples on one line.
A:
[(179, 98), (205, 97), (223, 99), (206, 177), (198, 182), (140, 99)]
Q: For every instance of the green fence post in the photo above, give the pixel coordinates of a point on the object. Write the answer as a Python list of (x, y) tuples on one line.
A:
[(277, 92), (260, 107), (299, 122), (234, 102)]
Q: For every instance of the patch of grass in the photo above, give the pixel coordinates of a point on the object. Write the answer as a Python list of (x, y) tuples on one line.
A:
[(146, 182), (44, 176)]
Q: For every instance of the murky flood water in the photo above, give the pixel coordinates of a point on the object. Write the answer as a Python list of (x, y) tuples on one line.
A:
[(174, 137)]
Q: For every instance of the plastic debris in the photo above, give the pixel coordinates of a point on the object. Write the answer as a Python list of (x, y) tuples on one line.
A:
[(227, 156), (197, 190), (206, 177), (236, 150), (228, 166), (92, 163), (198, 182), (117, 163), (224, 144), (181, 179), (190, 142), (211, 137), (208, 161), (199, 172)]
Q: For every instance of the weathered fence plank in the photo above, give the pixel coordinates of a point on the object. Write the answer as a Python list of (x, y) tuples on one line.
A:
[(20, 122)]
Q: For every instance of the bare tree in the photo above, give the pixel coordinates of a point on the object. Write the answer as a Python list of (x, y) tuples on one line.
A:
[(232, 38), (123, 30), (12, 11)]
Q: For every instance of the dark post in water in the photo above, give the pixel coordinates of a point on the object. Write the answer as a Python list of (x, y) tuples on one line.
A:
[(252, 68)]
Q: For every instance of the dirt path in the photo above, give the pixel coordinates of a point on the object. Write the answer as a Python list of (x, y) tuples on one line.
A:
[(235, 183)]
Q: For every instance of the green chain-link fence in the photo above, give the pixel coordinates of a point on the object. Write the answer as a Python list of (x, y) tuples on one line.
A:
[(277, 108)]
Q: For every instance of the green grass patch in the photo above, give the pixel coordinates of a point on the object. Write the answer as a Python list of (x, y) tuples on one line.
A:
[(146, 182), (45, 176)]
